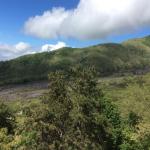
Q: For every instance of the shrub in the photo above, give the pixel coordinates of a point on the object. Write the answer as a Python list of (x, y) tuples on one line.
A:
[(7, 119), (133, 119)]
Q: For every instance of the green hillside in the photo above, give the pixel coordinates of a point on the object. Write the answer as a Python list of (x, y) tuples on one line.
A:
[(131, 56)]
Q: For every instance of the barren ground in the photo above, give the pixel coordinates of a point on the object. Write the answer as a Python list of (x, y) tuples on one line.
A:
[(23, 91)]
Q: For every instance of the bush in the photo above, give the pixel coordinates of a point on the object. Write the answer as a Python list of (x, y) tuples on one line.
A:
[(133, 119), (7, 119)]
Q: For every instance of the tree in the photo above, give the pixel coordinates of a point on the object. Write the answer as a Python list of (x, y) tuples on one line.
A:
[(76, 104)]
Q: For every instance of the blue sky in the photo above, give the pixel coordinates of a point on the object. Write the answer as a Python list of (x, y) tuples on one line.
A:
[(84, 24), (13, 14)]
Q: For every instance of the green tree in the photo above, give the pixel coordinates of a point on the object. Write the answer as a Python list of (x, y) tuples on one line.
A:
[(76, 104)]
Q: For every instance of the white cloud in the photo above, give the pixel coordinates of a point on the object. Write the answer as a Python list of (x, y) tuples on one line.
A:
[(47, 25), (12, 51), (51, 47), (91, 19), (21, 46)]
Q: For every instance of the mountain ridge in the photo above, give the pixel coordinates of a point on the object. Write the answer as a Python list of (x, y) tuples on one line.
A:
[(108, 59)]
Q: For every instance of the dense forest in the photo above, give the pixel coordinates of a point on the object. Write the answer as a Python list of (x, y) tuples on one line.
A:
[(77, 112)]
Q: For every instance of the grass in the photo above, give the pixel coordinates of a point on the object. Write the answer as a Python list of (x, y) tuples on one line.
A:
[(131, 94)]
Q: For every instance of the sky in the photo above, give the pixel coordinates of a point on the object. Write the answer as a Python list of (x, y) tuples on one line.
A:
[(30, 26)]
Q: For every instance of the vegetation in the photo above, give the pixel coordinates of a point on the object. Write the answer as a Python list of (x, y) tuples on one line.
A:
[(82, 109), (6, 118), (79, 111), (129, 57)]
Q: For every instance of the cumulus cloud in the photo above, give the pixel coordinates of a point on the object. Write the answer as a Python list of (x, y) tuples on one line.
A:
[(21, 47), (91, 19), (12, 51), (51, 47)]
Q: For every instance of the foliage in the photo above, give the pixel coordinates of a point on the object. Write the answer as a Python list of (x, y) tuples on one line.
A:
[(133, 119), (7, 120), (75, 114)]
